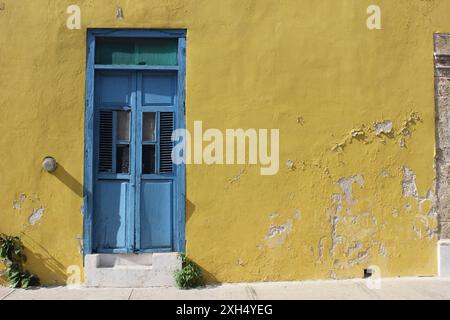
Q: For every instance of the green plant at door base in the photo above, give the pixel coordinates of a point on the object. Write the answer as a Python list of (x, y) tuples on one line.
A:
[(190, 276), (13, 257)]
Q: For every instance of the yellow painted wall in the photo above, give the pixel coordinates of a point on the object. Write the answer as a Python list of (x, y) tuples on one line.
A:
[(310, 68)]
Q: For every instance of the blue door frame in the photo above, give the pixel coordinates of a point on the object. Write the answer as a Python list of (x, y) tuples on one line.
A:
[(179, 200)]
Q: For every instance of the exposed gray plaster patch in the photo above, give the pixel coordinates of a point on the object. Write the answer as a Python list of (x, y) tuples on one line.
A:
[(356, 246), (335, 238), (337, 200), (17, 203), (36, 216), (409, 189), (290, 164), (275, 231), (409, 186), (384, 127), (362, 256), (277, 234), (346, 185), (321, 240)]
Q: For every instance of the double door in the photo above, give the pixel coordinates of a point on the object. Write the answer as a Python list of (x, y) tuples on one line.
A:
[(135, 181)]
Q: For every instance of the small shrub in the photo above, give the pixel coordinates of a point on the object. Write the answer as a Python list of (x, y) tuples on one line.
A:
[(13, 257), (190, 276)]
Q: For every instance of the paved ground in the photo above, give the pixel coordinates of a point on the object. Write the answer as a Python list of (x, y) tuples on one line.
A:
[(404, 288)]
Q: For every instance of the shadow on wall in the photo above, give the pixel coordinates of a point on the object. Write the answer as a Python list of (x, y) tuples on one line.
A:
[(45, 266), (208, 277), (190, 208), (66, 178)]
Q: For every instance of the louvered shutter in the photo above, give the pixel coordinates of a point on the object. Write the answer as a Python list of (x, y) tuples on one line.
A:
[(165, 144), (106, 142)]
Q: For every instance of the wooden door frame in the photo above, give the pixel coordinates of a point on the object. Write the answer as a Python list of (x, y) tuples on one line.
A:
[(179, 201)]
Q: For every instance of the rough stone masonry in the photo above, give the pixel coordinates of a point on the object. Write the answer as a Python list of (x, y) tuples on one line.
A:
[(442, 88)]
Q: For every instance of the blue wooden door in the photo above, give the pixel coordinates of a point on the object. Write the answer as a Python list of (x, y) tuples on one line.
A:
[(156, 107), (135, 188)]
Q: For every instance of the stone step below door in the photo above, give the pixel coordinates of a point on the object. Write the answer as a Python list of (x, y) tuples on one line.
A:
[(131, 270)]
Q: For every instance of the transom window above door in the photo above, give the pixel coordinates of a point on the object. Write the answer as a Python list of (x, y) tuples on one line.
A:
[(132, 51)]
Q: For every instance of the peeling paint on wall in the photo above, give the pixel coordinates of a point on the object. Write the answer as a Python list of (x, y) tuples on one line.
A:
[(290, 164), (385, 127), (277, 234), (321, 246), (36, 216), (362, 256), (370, 127), (17, 203), (409, 183), (346, 185)]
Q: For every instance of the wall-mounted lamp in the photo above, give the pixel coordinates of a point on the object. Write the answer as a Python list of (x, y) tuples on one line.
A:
[(49, 164), (119, 13)]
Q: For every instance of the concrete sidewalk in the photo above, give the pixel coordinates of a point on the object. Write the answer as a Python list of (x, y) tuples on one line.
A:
[(401, 288)]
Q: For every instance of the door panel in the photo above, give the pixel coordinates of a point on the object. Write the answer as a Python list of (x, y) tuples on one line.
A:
[(114, 88), (111, 205), (156, 215), (156, 108), (135, 179), (158, 89), (114, 167)]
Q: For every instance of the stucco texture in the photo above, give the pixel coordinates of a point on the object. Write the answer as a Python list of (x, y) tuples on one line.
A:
[(349, 193)]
